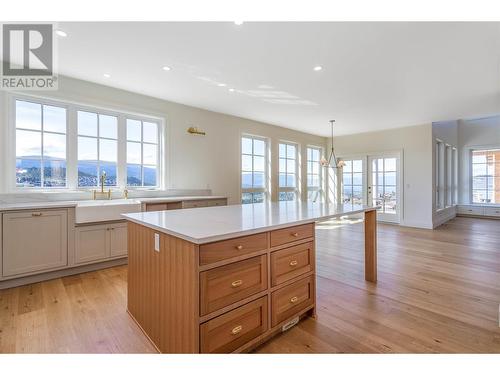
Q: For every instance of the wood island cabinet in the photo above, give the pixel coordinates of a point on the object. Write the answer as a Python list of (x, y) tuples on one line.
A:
[(221, 297)]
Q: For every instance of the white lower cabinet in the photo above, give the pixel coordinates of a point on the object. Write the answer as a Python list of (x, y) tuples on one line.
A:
[(118, 240), (489, 211), (34, 241), (99, 242)]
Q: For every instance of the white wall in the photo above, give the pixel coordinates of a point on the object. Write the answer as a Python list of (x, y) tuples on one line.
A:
[(193, 162), (415, 143), (479, 133)]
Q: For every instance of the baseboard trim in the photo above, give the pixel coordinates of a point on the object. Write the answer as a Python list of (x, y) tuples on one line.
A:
[(442, 216), (416, 224), (12, 283)]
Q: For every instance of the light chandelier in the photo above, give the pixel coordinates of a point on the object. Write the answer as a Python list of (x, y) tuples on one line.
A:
[(332, 161)]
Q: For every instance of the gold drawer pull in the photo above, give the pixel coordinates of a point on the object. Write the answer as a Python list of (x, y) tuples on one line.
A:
[(237, 283), (293, 263), (36, 214), (294, 299), (239, 247), (295, 234), (236, 330)]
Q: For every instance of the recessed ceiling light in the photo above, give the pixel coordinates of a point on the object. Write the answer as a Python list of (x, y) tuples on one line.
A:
[(167, 68), (221, 84), (106, 75), (232, 90), (317, 68), (61, 33), (238, 23)]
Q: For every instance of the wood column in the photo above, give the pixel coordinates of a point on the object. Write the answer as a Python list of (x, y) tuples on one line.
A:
[(371, 246)]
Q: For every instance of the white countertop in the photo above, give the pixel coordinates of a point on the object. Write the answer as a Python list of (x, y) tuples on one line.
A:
[(36, 205), (39, 204), (209, 224)]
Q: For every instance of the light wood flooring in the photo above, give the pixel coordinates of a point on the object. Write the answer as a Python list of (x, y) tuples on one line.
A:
[(438, 291)]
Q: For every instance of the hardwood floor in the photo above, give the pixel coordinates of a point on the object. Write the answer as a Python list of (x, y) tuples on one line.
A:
[(437, 291)]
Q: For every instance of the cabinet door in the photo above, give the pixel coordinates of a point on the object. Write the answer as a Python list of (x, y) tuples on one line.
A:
[(34, 241), (118, 240), (194, 204), (91, 243), (156, 207)]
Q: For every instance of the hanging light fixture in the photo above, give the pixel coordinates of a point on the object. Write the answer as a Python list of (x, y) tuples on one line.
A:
[(332, 160)]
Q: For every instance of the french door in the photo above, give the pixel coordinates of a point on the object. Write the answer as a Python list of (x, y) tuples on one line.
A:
[(374, 180), (384, 186)]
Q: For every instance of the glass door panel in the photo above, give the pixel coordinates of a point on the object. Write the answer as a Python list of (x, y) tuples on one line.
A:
[(383, 186), (353, 180)]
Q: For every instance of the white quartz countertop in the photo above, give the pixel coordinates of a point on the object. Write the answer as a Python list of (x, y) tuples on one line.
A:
[(36, 205), (39, 204), (209, 224)]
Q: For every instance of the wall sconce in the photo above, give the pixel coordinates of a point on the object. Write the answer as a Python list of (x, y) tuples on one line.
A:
[(195, 131)]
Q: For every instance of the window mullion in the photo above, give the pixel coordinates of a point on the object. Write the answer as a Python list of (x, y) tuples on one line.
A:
[(71, 148), (42, 151), (121, 161)]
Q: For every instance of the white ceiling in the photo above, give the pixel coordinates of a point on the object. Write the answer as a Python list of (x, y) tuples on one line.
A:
[(375, 75)]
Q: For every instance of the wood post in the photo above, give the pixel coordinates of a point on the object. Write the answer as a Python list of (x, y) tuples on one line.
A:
[(371, 246)]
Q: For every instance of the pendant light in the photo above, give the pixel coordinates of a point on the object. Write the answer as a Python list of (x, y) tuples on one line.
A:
[(332, 160)]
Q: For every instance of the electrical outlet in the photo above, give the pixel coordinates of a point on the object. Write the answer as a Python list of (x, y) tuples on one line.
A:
[(157, 242)]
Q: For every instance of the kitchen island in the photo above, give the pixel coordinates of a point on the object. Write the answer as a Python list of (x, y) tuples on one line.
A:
[(226, 279)]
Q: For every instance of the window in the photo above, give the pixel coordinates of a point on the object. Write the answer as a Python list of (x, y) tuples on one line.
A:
[(97, 148), (455, 176), (485, 176), (253, 169), (40, 145), (287, 181), (65, 145), (446, 179), (439, 179), (142, 153), (352, 178), (314, 174)]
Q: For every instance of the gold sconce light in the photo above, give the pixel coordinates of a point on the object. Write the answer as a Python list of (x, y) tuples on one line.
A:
[(194, 130)]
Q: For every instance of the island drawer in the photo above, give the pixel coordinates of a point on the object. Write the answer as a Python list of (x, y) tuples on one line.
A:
[(291, 262), (222, 286), (290, 300), (287, 235), (231, 330), (217, 251)]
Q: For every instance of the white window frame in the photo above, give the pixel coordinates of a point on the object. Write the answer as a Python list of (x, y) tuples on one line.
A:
[(319, 190), (454, 198), (158, 161), (72, 145), (440, 175), (446, 179), (12, 150), (289, 189), (252, 190), (471, 177), (98, 138), (364, 166)]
